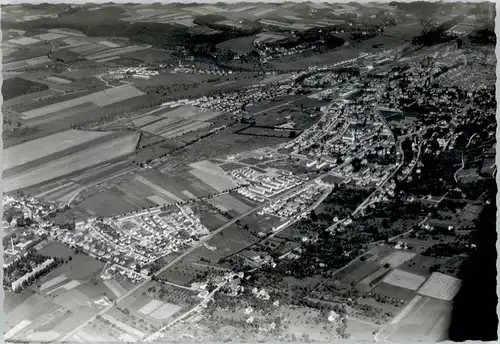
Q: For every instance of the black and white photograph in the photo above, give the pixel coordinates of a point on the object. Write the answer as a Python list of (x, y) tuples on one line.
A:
[(217, 172)]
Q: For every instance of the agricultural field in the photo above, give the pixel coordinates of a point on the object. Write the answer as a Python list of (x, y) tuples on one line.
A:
[(421, 265), (423, 319), (241, 45), (299, 63), (212, 175), (227, 203), (195, 268), (396, 258), (393, 291), (30, 151), (267, 132), (114, 52), (404, 279), (100, 98), (73, 159), (174, 123), (261, 223), (361, 330), (231, 240), (57, 249), (17, 87), (441, 286), (268, 37), (147, 189), (63, 189), (59, 301), (174, 127), (209, 216), (27, 63), (112, 202), (229, 166), (207, 259)]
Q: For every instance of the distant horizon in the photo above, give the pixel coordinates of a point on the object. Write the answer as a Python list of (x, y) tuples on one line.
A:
[(38, 2)]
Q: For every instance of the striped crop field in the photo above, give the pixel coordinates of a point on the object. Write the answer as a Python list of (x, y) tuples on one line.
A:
[(144, 120), (75, 41), (115, 95), (101, 98), (68, 32), (88, 49), (108, 59), (158, 126), (26, 63), (441, 286), (173, 123), (172, 127), (216, 181), (50, 36), (78, 158), (165, 194), (182, 128), (25, 152), (230, 203), (188, 112), (109, 44), (58, 80), (209, 167), (117, 51), (24, 40)]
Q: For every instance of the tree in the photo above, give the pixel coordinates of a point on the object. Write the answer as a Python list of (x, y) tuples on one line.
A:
[(314, 216)]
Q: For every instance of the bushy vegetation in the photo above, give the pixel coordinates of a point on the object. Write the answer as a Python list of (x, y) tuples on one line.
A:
[(107, 22)]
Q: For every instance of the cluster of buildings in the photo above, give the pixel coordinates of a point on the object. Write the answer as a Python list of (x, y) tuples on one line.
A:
[(386, 193), (135, 242), (368, 175), (233, 279), (193, 70), (443, 84), (362, 55), (27, 208), (22, 243), (346, 132), (139, 72), (234, 102), (297, 204), (321, 79), (19, 283), (263, 185), (269, 53), (118, 271)]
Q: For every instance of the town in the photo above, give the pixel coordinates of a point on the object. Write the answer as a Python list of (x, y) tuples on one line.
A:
[(237, 171)]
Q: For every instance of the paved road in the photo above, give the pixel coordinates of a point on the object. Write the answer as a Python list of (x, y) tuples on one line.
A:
[(398, 144), (190, 250), (463, 158), (77, 192), (195, 309), (170, 264), (182, 256)]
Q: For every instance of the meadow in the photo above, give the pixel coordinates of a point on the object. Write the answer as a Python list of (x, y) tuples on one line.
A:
[(74, 161)]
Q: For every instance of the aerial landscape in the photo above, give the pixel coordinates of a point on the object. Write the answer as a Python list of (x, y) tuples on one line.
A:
[(220, 172)]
